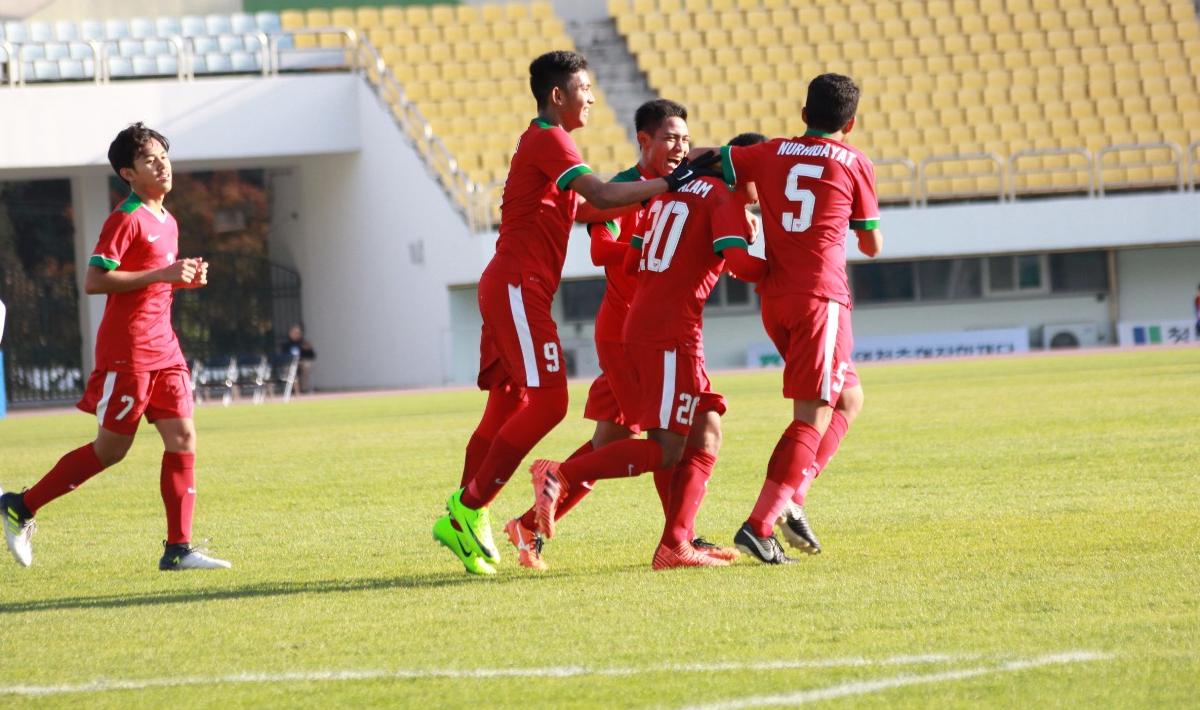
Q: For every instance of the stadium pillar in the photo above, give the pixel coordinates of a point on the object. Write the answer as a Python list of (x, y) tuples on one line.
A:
[(90, 202)]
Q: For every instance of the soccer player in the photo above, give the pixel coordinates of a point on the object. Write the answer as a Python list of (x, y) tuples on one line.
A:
[(813, 189), (520, 362), (140, 369), (684, 245)]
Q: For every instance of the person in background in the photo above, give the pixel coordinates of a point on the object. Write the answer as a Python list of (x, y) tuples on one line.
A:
[(297, 346)]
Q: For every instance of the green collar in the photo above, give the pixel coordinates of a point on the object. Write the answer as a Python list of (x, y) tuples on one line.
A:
[(541, 122), (815, 132)]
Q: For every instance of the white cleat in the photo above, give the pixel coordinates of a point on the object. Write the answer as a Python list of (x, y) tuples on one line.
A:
[(18, 529), (183, 557)]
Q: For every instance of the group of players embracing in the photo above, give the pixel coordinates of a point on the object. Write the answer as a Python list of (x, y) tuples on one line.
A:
[(664, 231)]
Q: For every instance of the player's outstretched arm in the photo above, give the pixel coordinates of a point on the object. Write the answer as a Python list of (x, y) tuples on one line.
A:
[(181, 273), (605, 195), (870, 241), (587, 213), (744, 265), (606, 250)]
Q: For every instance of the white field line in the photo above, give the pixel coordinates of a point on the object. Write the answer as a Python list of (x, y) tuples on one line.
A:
[(324, 676), (864, 687)]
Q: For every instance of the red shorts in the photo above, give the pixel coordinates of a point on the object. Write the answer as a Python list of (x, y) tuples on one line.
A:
[(519, 343), (814, 337), (672, 387), (615, 390), (119, 399)]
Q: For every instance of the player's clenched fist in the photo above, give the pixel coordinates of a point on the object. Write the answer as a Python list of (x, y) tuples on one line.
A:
[(187, 273)]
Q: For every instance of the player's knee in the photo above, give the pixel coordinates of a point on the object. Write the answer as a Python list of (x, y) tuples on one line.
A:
[(708, 436), (551, 402), (109, 451), (183, 442), (851, 403)]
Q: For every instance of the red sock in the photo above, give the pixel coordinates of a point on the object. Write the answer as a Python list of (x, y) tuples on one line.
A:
[(178, 486), (68, 474), (687, 492), (576, 494), (796, 450), (662, 486), (628, 457), (501, 405), (829, 446), (547, 407)]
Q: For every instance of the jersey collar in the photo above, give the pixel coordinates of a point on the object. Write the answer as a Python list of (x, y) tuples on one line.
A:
[(541, 122), (818, 134)]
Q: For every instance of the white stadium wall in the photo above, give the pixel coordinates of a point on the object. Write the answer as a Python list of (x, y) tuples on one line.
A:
[(1158, 284)]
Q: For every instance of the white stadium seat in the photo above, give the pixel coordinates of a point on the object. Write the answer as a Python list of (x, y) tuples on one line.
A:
[(155, 47), (57, 50), (218, 24), (218, 63), (204, 45), (91, 29), (131, 48), (119, 67), (245, 62), (268, 21), (80, 51), (241, 23), (66, 31), (71, 69), (168, 64), (41, 32), (145, 66), (142, 27), (116, 29), (30, 52), (15, 32), (45, 70), (230, 43), (193, 26), (168, 27)]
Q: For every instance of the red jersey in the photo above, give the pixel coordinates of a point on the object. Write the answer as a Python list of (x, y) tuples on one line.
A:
[(538, 209), (681, 242), (812, 190), (620, 286), (135, 333)]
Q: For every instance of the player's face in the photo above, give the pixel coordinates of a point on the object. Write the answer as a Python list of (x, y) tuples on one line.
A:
[(151, 173), (577, 101), (669, 145)]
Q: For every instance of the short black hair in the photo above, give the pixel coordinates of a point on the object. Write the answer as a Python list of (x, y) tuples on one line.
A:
[(650, 115), (125, 147), (553, 69), (744, 139), (832, 102)]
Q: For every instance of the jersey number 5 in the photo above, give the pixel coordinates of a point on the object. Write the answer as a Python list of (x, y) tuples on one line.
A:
[(806, 198)]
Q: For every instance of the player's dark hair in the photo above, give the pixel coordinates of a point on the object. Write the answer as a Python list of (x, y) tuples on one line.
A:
[(553, 69), (832, 102), (129, 143), (744, 139), (650, 115)]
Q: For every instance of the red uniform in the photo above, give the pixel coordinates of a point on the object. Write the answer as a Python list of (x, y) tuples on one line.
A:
[(681, 244), (812, 190), (615, 390), (139, 366), (519, 345)]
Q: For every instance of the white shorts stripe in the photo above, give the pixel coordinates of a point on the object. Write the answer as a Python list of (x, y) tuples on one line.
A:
[(516, 302), (110, 381), (668, 390), (831, 332)]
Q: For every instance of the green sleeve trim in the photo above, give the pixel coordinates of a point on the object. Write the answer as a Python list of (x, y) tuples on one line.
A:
[(565, 179), (864, 225), (130, 204), (730, 174), (103, 263), (613, 228), (636, 243), (723, 243)]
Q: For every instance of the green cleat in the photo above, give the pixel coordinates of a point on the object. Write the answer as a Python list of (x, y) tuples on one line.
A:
[(476, 527), (444, 532)]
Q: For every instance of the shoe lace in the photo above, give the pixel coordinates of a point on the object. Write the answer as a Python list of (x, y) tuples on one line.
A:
[(537, 545), (702, 543)]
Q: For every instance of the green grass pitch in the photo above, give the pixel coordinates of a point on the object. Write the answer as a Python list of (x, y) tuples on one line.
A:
[(998, 533)]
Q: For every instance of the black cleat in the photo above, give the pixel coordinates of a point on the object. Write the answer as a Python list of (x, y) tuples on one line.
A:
[(763, 549), (794, 525)]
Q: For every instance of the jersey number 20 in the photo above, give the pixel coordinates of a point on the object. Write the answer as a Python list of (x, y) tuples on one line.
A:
[(659, 250), (806, 198)]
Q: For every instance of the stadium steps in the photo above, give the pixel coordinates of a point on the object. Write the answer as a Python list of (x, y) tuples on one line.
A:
[(614, 67)]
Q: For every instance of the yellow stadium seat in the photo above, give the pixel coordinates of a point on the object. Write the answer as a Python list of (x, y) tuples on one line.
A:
[(417, 15), (516, 11), (291, 19), (317, 18), (1103, 16), (368, 18)]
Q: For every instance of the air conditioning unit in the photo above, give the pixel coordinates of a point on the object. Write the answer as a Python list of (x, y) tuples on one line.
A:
[(1058, 336)]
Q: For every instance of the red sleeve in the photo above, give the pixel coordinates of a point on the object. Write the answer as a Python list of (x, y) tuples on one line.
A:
[(740, 163), (864, 211), (745, 265), (115, 238), (555, 155), (633, 259), (606, 250)]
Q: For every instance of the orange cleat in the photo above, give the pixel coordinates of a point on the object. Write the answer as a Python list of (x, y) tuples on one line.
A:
[(548, 491), (726, 554), (683, 556), (528, 544)]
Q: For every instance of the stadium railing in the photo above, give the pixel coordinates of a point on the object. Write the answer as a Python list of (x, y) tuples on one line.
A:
[(1193, 164), (1041, 157), (1143, 170)]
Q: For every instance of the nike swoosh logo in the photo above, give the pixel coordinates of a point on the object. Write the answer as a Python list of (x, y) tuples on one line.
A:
[(191, 490), (153, 238)]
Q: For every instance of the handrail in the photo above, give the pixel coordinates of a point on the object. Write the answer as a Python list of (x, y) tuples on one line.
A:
[(1014, 172), (912, 176), (1193, 163), (14, 62), (961, 158), (182, 71), (1175, 149)]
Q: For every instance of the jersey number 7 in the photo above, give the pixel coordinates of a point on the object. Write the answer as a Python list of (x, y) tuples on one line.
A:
[(806, 198)]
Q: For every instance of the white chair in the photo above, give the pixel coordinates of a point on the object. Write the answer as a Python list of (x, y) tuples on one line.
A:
[(116, 29), (168, 64), (119, 67), (31, 52), (145, 66), (66, 31), (57, 50), (155, 47), (46, 70), (204, 45), (199, 64), (142, 27), (168, 27), (15, 32), (218, 63), (230, 43), (268, 21), (71, 69), (245, 62), (131, 47), (91, 29), (242, 23), (41, 32), (80, 51), (218, 24), (193, 26)]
